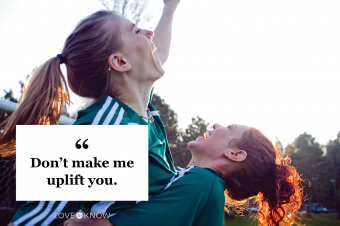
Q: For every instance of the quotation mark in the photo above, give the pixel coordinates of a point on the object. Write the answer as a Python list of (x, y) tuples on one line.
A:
[(85, 146)]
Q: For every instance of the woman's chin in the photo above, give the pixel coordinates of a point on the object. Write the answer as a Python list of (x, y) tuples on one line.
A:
[(200, 139), (156, 71), (194, 146), (159, 66), (197, 141), (158, 62), (159, 74)]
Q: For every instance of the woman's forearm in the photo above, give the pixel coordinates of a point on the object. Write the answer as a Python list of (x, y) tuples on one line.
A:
[(162, 33)]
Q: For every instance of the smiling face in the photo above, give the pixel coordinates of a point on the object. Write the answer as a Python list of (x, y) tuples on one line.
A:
[(216, 143), (137, 51)]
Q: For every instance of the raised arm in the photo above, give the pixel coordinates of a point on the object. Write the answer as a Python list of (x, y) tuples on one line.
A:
[(162, 33)]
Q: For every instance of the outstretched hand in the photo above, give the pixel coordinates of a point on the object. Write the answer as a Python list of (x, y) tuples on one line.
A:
[(162, 33), (171, 2)]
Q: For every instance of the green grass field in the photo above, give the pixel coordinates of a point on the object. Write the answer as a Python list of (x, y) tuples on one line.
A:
[(316, 220)]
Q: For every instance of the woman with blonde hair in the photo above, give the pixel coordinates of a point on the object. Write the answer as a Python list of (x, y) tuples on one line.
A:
[(112, 61)]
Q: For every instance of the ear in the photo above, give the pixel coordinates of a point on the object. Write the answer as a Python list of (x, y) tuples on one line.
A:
[(235, 155), (118, 63)]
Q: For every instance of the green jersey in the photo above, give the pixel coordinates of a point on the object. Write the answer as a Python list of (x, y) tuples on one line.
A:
[(194, 197), (107, 111)]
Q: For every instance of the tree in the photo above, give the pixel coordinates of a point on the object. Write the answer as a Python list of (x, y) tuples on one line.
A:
[(278, 145), (333, 153), (307, 157), (169, 118), (7, 171), (10, 97), (134, 10), (3, 113), (181, 154), (178, 139)]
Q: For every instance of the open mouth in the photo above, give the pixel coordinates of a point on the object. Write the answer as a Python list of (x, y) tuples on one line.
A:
[(207, 134), (154, 48)]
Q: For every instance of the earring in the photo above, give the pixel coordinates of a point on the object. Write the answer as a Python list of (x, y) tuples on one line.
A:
[(110, 66)]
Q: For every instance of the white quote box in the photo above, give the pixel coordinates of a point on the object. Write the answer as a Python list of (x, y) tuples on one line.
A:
[(105, 142)]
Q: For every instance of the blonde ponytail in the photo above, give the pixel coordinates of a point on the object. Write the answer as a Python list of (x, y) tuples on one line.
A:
[(85, 54), (42, 103)]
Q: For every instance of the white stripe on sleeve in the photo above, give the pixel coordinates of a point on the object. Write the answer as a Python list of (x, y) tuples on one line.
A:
[(114, 214), (30, 214), (53, 215), (102, 110), (42, 215), (111, 114), (154, 113), (181, 174), (132, 124), (120, 117), (101, 207)]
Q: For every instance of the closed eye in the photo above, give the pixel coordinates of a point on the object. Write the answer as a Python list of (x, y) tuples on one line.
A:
[(138, 30)]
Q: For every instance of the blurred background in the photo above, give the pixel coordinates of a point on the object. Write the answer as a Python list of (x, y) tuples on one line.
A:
[(273, 65)]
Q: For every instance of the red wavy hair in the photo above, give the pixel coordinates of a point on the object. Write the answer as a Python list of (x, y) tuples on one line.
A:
[(265, 175)]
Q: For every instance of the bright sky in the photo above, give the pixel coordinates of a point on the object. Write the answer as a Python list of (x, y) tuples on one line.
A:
[(273, 65)]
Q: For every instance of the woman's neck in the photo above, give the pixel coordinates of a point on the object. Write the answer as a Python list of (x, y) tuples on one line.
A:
[(198, 162), (136, 98), (210, 164)]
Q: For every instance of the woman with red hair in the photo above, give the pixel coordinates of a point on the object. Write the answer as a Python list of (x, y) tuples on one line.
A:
[(255, 168), (228, 167)]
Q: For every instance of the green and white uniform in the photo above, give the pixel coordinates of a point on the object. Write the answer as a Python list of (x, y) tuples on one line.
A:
[(107, 111), (194, 197)]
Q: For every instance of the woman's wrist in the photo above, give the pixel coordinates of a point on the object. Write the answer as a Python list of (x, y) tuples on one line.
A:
[(170, 8)]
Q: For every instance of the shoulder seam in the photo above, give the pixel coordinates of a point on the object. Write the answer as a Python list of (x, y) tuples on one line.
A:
[(211, 190)]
